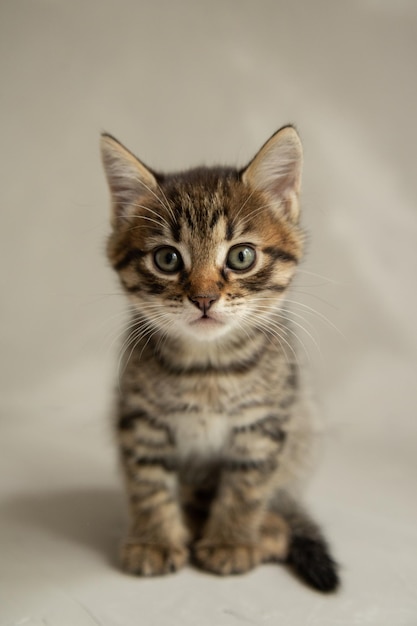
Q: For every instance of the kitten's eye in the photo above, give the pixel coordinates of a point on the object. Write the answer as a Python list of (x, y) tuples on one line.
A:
[(168, 260), (241, 258)]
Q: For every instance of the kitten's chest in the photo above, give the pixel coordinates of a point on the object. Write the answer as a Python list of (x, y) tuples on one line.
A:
[(202, 436), (202, 430)]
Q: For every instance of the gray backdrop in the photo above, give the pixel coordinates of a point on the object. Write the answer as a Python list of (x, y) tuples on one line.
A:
[(183, 83)]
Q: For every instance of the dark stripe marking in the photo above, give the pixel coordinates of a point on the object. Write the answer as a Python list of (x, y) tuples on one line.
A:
[(131, 288), (277, 288), (292, 378), (128, 420), (134, 254), (236, 367), (259, 281), (265, 466), (269, 426), (176, 231), (150, 443), (188, 217), (143, 509), (277, 254), (214, 219), (169, 465)]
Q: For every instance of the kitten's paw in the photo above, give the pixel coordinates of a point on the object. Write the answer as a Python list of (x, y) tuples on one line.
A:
[(227, 559), (152, 559)]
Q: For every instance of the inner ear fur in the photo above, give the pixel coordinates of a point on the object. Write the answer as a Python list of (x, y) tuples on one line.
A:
[(276, 171), (128, 178)]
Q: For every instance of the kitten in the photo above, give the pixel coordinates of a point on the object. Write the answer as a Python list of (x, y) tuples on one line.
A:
[(213, 427)]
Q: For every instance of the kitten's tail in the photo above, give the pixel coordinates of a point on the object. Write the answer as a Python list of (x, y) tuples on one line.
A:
[(307, 552)]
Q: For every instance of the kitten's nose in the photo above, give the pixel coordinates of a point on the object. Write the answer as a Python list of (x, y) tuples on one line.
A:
[(204, 302)]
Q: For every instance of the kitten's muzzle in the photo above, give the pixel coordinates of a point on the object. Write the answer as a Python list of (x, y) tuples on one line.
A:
[(204, 303)]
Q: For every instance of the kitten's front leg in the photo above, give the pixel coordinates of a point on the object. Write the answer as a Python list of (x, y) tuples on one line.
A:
[(231, 538), (157, 542), (230, 542)]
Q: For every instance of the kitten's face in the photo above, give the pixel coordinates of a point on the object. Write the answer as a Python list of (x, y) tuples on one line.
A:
[(203, 254)]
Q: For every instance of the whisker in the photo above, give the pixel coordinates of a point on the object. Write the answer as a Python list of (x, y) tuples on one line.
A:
[(142, 206), (164, 335), (263, 325), (126, 332), (306, 308), (274, 332), (148, 340), (288, 315), (107, 326), (152, 192), (242, 327), (309, 309), (136, 336), (279, 311), (255, 213), (288, 329), (168, 206), (313, 295), (145, 217), (322, 276), (243, 205)]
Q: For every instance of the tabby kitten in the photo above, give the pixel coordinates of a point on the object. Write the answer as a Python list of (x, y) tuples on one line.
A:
[(213, 426)]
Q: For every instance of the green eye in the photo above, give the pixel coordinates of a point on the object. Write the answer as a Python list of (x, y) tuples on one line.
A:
[(168, 260), (241, 258)]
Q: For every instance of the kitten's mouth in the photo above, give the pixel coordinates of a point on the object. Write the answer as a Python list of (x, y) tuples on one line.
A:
[(206, 320)]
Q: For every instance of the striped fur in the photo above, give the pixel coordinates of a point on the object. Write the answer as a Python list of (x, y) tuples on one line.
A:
[(213, 426)]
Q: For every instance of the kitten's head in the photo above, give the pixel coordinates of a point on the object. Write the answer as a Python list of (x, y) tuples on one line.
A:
[(208, 252)]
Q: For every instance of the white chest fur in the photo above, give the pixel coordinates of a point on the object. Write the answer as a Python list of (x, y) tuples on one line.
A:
[(201, 436)]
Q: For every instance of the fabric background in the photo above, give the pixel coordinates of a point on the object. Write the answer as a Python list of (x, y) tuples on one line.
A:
[(183, 83)]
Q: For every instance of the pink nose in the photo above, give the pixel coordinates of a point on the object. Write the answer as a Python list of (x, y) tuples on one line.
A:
[(204, 302)]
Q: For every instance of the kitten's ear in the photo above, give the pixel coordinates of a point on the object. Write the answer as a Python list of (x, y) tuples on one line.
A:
[(276, 171), (128, 178)]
